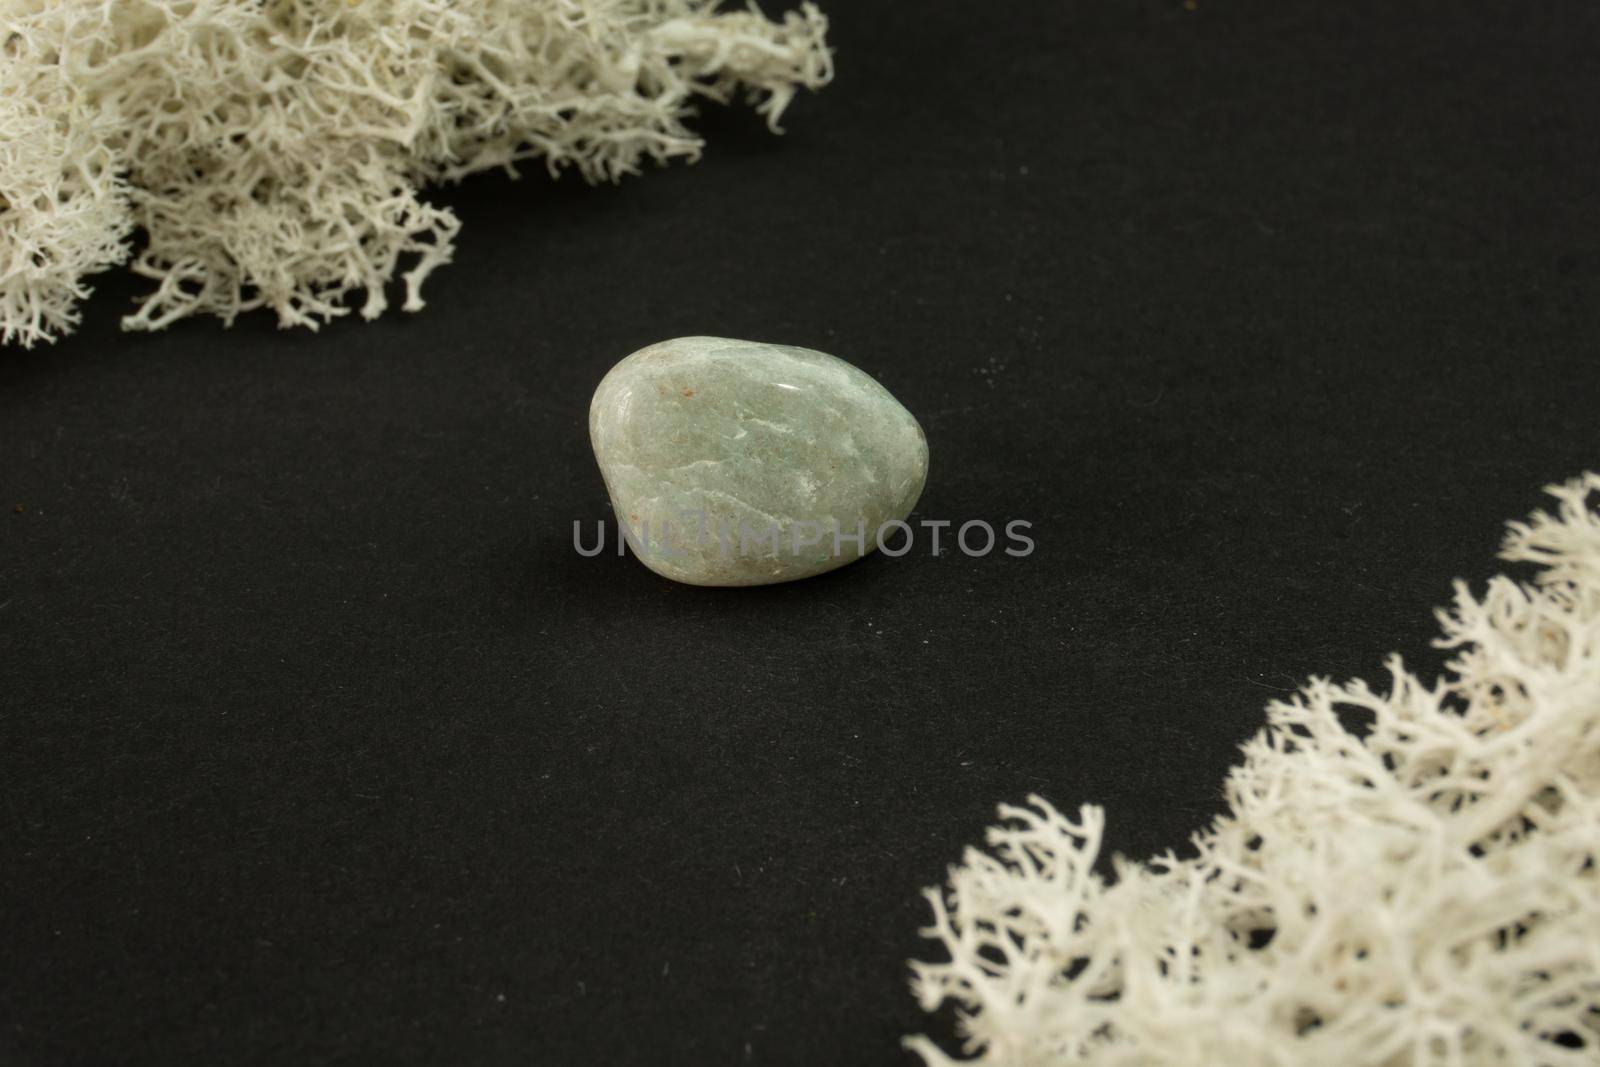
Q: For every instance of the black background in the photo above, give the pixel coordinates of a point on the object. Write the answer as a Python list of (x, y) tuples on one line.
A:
[(320, 744)]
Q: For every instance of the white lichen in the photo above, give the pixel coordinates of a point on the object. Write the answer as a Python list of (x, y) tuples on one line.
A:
[(64, 211), (272, 152), (1403, 877)]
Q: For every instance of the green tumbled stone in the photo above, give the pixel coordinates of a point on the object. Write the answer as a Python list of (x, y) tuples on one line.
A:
[(707, 445)]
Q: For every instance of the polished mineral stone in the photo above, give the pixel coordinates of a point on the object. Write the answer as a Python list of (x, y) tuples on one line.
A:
[(742, 463)]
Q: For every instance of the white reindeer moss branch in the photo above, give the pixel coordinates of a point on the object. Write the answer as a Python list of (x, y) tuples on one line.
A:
[(272, 151), (1423, 891)]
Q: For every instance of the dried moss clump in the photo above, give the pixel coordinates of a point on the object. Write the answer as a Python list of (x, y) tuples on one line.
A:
[(272, 151), (1423, 892)]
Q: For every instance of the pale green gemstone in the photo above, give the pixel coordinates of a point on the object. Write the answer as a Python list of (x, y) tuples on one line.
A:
[(713, 443)]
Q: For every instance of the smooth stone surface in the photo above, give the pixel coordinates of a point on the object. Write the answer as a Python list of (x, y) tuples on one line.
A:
[(752, 436)]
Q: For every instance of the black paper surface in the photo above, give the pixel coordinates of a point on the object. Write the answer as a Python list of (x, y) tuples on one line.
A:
[(320, 744)]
